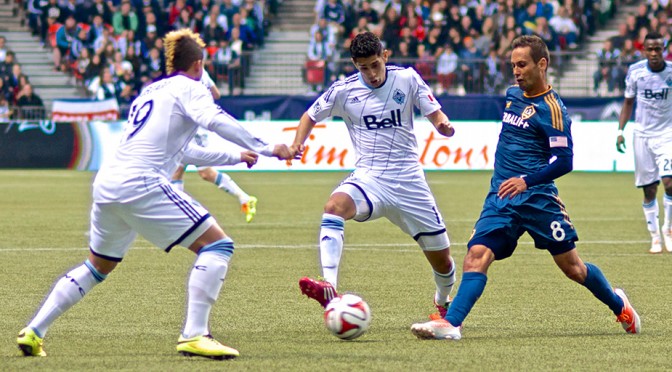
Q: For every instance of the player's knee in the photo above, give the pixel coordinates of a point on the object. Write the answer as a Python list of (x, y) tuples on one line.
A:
[(339, 208)]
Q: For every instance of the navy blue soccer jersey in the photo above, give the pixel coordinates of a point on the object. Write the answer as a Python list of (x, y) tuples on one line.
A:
[(534, 130)]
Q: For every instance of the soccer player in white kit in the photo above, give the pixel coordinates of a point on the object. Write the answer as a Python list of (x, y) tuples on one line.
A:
[(377, 107), (132, 194), (248, 203), (649, 82)]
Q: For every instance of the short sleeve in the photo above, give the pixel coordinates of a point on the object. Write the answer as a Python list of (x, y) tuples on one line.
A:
[(630, 85), (325, 106), (424, 99)]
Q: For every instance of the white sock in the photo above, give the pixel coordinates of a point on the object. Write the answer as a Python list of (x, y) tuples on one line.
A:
[(178, 184), (331, 246), (224, 182), (667, 207), (444, 284), (67, 291), (651, 216), (205, 282)]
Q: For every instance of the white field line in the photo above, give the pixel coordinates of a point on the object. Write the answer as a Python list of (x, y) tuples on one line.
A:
[(387, 247)]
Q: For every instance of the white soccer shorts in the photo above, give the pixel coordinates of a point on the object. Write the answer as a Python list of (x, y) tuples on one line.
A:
[(409, 205), (653, 158), (164, 216)]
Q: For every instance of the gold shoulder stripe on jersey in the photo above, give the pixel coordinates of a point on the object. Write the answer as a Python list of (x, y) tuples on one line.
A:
[(556, 113)]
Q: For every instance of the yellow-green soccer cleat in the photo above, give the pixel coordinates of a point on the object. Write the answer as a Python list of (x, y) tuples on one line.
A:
[(205, 346), (249, 208), (29, 343)]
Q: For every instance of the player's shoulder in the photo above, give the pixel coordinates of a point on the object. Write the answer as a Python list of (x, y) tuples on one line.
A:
[(404, 72), (340, 86), (639, 67), (514, 91)]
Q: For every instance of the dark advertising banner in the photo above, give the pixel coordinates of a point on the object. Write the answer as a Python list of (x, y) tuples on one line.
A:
[(37, 144), (473, 107)]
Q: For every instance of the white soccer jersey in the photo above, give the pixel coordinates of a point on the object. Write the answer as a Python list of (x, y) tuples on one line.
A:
[(653, 114), (380, 120), (206, 79), (161, 123)]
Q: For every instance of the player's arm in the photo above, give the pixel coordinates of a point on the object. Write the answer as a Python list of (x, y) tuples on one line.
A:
[(206, 113), (441, 123), (201, 156), (306, 124), (215, 92), (559, 139), (626, 113)]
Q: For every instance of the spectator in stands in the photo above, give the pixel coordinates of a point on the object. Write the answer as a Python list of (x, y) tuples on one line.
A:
[(102, 41), (125, 18), (493, 75), (547, 35), (471, 60), (411, 41), (102, 8), (175, 10), (362, 26), (425, 64), (511, 25), (18, 90), (642, 17), (154, 64), (216, 18), (126, 88), (106, 87), (229, 9), (446, 69), (256, 12), (545, 9), (607, 68), (80, 43), (50, 15), (320, 52), (185, 20), (133, 58), (631, 23), (5, 92), (81, 65), (3, 49), (226, 63), (93, 71), (566, 29), (64, 38), (391, 28), (368, 12), (119, 66), (402, 56), (7, 64), (150, 39), (5, 111), (629, 55), (96, 29), (14, 79), (34, 16), (529, 19), (432, 42), (30, 104), (252, 24), (245, 34), (638, 42)]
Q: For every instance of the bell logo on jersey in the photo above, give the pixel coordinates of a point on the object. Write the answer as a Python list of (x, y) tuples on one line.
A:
[(656, 95), (393, 121)]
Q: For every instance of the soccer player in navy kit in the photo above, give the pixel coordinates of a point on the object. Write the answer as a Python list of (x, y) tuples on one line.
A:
[(535, 147)]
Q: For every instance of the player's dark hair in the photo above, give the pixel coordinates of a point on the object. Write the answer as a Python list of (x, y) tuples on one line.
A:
[(365, 45), (538, 48), (653, 35)]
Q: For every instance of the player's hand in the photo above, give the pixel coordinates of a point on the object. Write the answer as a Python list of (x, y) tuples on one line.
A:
[(512, 187), (297, 150), (249, 157), (282, 152), (445, 129), (620, 144)]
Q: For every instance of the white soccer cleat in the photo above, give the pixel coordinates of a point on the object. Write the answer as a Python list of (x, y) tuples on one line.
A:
[(667, 238), (628, 318), (439, 329), (656, 246)]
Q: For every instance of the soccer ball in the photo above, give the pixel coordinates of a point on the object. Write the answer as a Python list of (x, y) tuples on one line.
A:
[(347, 317)]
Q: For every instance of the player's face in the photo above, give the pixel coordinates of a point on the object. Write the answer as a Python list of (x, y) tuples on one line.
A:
[(653, 50), (529, 75), (372, 69)]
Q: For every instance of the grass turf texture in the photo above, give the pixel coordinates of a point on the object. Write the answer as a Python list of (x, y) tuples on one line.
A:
[(529, 318)]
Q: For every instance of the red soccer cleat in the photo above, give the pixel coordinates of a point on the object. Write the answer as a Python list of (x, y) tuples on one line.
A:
[(320, 291)]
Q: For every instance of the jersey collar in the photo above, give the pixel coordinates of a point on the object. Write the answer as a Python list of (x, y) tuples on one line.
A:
[(540, 94)]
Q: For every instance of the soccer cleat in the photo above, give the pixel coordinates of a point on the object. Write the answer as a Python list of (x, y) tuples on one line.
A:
[(442, 311), (667, 237), (320, 291), (249, 208), (439, 329), (30, 343), (656, 247), (205, 346), (629, 318)]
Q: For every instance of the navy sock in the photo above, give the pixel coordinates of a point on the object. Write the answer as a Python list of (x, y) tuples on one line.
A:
[(598, 284), (471, 288)]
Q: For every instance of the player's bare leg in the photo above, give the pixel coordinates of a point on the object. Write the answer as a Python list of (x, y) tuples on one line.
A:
[(248, 203)]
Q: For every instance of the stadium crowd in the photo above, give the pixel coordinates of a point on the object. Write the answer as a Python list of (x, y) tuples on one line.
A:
[(115, 47), (620, 51), (17, 98), (456, 45)]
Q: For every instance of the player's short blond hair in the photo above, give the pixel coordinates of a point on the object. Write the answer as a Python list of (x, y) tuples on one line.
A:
[(182, 47)]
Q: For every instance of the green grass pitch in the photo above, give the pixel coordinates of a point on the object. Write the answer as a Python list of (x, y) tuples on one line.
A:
[(529, 318)]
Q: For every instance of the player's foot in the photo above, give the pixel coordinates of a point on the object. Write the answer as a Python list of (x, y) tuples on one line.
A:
[(442, 311), (656, 246), (249, 208), (629, 318), (439, 329), (205, 346), (30, 343), (318, 290), (667, 238)]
